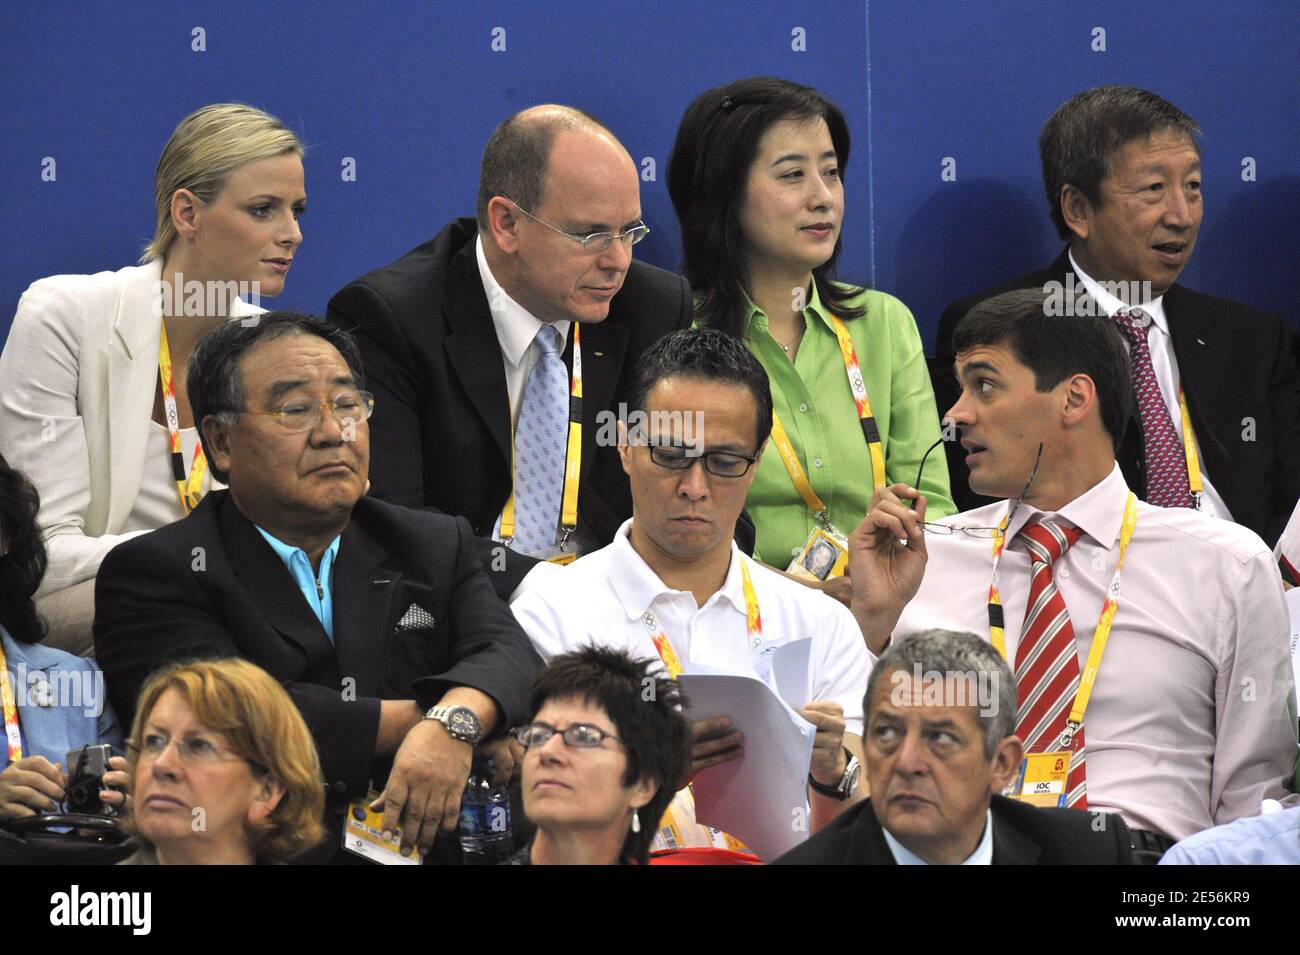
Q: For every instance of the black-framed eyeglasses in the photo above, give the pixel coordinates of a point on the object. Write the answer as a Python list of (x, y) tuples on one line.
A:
[(596, 241), (724, 464), (303, 414), (577, 735)]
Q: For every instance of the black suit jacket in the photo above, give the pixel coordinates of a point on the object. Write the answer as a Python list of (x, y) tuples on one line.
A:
[(1022, 835), (211, 586), (1235, 363), (440, 435)]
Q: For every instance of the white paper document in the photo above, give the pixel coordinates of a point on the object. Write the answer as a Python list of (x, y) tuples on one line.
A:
[(760, 798), (1293, 605)]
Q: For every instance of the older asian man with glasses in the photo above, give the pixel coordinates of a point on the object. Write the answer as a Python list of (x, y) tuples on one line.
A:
[(378, 620), (673, 585)]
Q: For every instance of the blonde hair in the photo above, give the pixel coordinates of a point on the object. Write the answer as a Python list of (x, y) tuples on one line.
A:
[(206, 147), (261, 724)]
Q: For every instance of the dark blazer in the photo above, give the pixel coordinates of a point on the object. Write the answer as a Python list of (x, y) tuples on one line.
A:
[(211, 586), (1235, 363), (1022, 835), (440, 435)]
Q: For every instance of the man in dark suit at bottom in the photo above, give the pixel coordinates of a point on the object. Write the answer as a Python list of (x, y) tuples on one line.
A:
[(379, 620), (940, 710)]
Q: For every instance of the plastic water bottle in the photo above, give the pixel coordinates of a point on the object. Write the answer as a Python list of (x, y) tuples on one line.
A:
[(485, 837)]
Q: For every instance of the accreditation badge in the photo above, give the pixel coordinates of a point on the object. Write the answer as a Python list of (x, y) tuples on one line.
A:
[(1042, 779), (825, 554), (363, 835)]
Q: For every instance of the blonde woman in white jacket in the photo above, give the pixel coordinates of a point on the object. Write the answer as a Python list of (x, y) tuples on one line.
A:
[(87, 409)]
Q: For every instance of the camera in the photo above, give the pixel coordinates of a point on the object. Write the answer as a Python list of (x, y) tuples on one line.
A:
[(86, 769)]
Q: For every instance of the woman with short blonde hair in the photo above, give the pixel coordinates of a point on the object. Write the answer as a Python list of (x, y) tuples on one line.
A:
[(93, 401), (223, 768)]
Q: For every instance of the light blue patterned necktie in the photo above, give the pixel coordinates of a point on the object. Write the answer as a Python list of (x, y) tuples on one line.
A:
[(540, 440)]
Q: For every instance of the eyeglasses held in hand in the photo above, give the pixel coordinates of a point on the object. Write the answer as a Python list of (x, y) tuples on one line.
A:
[(726, 464), (985, 533), (596, 241), (577, 735), (303, 414)]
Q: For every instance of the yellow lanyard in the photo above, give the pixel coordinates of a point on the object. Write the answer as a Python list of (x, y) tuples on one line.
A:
[(753, 626), (12, 732), (192, 490), (572, 458), (1100, 636), (1189, 452), (870, 430)]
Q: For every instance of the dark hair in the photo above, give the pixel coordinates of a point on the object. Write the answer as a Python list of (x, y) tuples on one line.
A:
[(213, 379), (1078, 143), (709, 355), (645, 708), (22, 564), (1054, 348), (707, 171), (518, 154)]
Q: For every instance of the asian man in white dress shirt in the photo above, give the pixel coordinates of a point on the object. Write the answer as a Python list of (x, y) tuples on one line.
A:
[(674, 585), (1191, 717)]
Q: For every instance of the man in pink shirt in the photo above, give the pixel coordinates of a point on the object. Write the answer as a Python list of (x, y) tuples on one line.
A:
[(1188, 701)]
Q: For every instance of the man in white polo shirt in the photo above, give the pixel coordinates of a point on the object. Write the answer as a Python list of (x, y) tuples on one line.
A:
[(673, 584)]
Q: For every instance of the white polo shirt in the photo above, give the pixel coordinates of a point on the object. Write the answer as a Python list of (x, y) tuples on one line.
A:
[(600, 600)]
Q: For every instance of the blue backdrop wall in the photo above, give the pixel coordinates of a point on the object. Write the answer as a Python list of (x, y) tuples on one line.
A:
[(410, 91)]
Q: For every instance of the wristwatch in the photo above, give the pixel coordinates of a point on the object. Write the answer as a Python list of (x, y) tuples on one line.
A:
[(848, 782), (460, 721)]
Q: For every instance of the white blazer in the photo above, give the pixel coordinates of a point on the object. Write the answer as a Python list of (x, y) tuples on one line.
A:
[(77, 382)]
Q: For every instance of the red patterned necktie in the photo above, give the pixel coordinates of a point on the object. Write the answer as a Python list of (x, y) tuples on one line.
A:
[(1047, 661), (1164, 458)]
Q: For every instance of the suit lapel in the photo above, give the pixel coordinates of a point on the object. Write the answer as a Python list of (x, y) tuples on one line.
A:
[(867, 846), (1010, 845), (473, 352), (363, 592), (603, 348), (133, 371), (270, 586), (1200, 350)]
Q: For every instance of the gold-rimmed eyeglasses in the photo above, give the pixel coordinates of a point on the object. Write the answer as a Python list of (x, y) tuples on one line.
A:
[(303, 414)]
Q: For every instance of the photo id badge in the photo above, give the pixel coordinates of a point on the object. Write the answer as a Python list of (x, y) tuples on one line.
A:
[(363, 835), (1043, 779), (824, 555)]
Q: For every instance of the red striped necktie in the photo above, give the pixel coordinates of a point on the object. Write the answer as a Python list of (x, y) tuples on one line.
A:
[(1047, 661)]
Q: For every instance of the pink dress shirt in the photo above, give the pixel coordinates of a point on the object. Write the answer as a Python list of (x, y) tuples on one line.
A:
[(1192, 720)]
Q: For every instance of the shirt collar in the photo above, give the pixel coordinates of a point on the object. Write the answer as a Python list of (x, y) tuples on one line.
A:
[(983, 854), (516, 326), (1155, 308), (636, 586), (289, 554), (814, 307), (1098, 511)]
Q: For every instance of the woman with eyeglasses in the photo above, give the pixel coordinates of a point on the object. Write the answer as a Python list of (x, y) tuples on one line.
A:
[(93, 405), (603, 758), (223, 769), (755, 176)]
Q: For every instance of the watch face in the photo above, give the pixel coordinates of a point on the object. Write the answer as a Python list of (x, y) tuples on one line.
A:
[(462, 722)]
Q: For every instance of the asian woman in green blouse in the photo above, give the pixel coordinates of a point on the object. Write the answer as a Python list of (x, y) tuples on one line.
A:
[(756, 179)]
